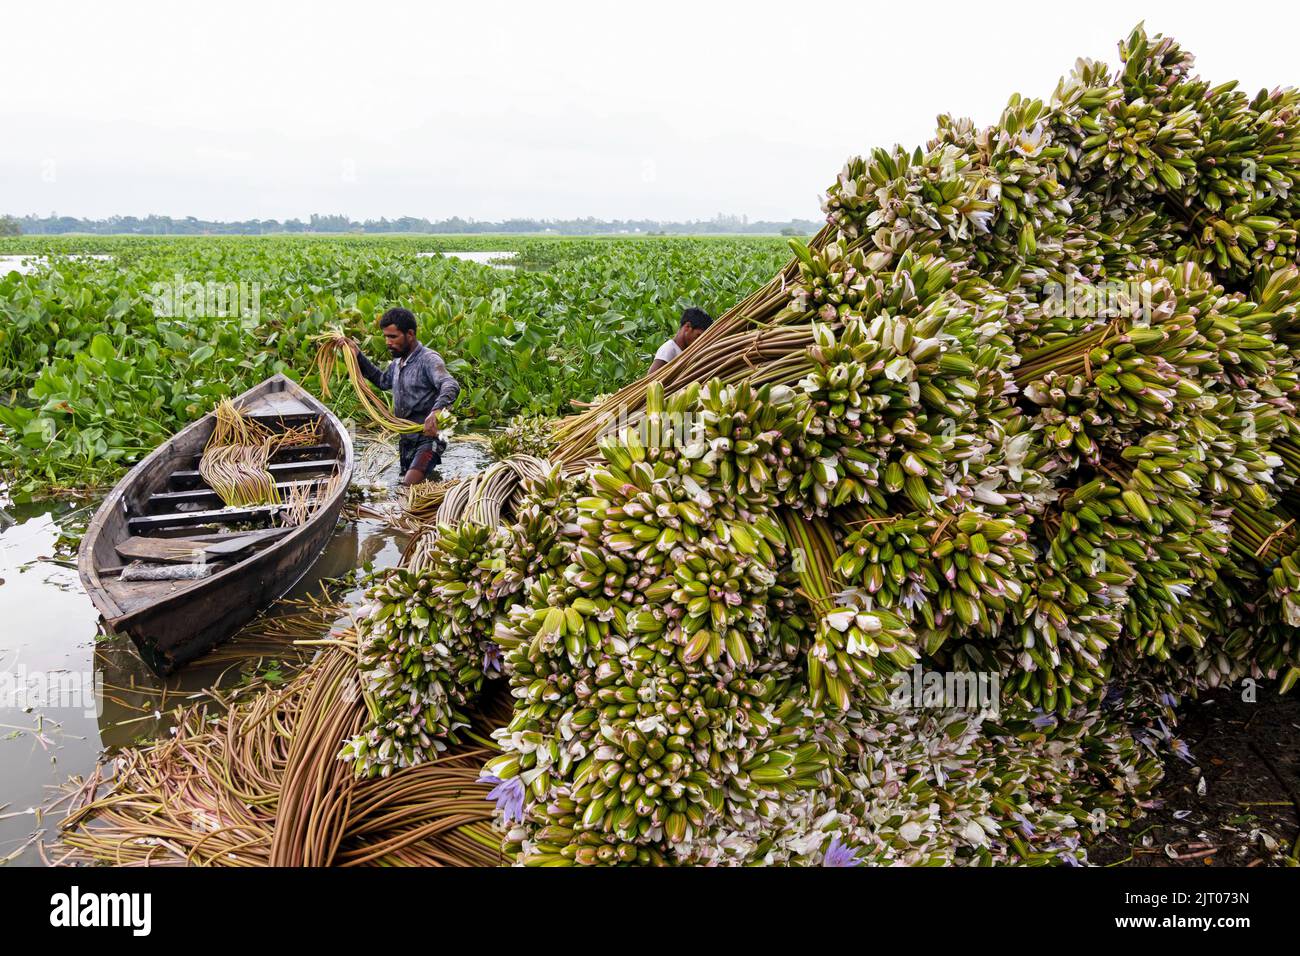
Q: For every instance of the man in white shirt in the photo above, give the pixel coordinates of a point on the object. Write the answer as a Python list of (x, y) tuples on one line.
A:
[(694, 322)]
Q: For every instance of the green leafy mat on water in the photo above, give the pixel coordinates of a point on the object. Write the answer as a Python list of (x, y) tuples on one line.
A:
[(102, 360)]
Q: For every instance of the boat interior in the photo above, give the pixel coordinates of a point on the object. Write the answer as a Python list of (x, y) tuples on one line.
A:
[(170, 529)]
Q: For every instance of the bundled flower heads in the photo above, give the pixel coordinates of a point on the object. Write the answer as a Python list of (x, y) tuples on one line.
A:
[(523, 435), (967, 571), (948, 787), (424, 642), (1024, 412), (425, 634)]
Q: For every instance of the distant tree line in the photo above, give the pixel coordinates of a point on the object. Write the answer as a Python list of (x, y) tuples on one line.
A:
[(9, 226), (190, 226)]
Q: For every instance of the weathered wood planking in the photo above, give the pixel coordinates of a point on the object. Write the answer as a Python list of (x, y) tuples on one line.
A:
[(143, 524), (287, 453), (258, 535), (184, 478), (185, 550), (159, 550), (166, 501)]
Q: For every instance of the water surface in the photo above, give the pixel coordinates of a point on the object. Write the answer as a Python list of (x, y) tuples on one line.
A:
[(51, 633), (30, 263), (487, 258)]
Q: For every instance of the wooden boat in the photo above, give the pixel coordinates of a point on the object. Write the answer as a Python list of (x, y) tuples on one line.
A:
[(163, 513)]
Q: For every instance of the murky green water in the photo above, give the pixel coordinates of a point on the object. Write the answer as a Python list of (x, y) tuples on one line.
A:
[(502, 259), (499, 259), (25, 264), (50, 640)]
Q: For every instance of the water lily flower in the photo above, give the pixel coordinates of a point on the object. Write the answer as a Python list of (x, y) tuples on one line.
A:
[(509, 796), (1030, 142), (492, 659), (837, 854)]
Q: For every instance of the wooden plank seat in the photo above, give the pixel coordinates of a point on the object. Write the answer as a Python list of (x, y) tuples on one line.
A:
[(278, 404), (277, 422), (281, 471), (183, 550), (287, 453), (167, 501), (142, 524), (279, 410)]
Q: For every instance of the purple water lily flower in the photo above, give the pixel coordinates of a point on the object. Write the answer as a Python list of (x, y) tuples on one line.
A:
[(1026, 827), (492, 659), (1043, 721), (509, 796), (837, 854)]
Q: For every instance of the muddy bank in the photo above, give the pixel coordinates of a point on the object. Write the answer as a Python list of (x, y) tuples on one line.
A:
[(1237, 803)]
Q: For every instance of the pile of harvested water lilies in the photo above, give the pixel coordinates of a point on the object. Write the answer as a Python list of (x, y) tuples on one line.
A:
[(1023, 414)]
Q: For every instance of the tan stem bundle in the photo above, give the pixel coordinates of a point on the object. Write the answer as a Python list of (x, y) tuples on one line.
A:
[(237, 455), (335, 345)]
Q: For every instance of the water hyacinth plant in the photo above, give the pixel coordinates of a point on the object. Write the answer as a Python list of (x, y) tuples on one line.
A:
[(94, 374)]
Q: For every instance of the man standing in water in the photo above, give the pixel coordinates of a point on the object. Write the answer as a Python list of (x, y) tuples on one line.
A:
[(694, 322), (421, 387)]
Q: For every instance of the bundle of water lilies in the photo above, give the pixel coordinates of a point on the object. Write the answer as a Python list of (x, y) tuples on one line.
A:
[(523, 435), (1017, 420), (910, 557), (237, 454)]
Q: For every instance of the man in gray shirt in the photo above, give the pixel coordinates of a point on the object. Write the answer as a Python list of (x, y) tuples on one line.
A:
[(421, 386)]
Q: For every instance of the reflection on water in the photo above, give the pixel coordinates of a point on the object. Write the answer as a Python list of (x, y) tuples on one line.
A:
[(51, 636), (487, 258)]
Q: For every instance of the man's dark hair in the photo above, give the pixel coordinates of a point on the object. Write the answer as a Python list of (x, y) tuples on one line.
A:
[(696, 318), (404, 319)]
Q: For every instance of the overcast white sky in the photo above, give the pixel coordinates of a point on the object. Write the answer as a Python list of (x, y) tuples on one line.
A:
[(664, 110)]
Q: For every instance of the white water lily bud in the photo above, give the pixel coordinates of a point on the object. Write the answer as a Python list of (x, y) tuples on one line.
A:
[(986, 493), (925, 349), (840, 620), (900, 369)]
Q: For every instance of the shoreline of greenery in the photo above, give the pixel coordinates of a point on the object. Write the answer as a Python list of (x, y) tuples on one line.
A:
[(318, 224)]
